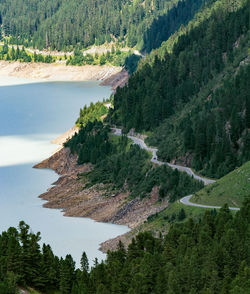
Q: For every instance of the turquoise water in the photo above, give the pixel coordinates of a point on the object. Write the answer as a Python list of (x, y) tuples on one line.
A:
[(31, 115)]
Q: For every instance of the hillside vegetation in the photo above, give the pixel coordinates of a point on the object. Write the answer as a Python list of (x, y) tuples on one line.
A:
[(209, 256), (196, 99), (231, 189), (192, 96), (212, 133), (124, 166), (65, 24)]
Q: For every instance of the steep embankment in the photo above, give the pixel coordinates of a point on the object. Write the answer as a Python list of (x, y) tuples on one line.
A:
[(70, 194), (109, 75)]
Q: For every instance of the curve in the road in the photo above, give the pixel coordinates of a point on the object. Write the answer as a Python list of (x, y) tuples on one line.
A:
[(185, 200), (155, 160)]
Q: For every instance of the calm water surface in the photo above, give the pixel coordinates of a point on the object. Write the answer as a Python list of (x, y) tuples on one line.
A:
[(31, 115)]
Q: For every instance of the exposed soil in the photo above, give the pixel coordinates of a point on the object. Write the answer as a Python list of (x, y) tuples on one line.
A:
[(110, 75), (117, 80), (69, 192), (97, 202)]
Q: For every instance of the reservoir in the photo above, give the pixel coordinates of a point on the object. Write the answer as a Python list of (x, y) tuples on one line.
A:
[(31, 115)]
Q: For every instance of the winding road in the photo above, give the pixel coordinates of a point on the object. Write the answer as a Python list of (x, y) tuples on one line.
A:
[(185, 200)]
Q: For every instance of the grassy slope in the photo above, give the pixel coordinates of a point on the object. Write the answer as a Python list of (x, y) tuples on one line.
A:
[(231, 189), (162, 221)]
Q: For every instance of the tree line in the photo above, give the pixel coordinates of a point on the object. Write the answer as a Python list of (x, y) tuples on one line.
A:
[(208, 256), (21, 55), (114, 56)]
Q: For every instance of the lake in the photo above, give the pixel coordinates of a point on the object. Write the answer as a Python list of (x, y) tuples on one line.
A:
[(31, 115)]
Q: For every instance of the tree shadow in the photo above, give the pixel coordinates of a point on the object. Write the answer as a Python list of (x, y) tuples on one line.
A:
[(163, 27)]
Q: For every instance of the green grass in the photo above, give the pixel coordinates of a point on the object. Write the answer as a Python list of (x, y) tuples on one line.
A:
[(161, 222), (230, 189)]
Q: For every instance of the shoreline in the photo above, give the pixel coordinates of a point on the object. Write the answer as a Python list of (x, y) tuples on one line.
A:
[(69, 195), (107, 75)]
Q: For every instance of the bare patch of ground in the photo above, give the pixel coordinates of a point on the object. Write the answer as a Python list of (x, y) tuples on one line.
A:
[(98, 202), (110, 75), (117, 80)]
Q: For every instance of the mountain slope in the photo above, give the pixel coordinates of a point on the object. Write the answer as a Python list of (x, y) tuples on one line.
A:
[(63, 24), (208, 256), (202, 60), (231, 189), (211, 134)]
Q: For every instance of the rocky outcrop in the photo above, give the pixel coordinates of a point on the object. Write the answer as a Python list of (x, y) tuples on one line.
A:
[(117, 80)]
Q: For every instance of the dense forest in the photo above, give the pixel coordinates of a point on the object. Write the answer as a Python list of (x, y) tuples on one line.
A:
[(209, 256), (154, 92), (165, 25), (191, 97), (124, 166), (200, 60), (212, 131), (66, 24)]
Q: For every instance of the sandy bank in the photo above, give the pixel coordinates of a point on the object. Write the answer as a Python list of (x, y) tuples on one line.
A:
[(110, 75)]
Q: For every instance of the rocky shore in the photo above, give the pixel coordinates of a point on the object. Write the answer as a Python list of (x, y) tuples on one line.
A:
[(98, 202), (108, 75), (69, 192)]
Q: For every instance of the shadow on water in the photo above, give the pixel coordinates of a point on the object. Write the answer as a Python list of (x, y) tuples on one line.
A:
[(31, 114)]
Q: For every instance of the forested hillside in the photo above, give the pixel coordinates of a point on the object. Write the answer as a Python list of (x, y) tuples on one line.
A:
[(210, 256), (66, 24), (192, 98), (126, 167), (212, 132), (202, 91)]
